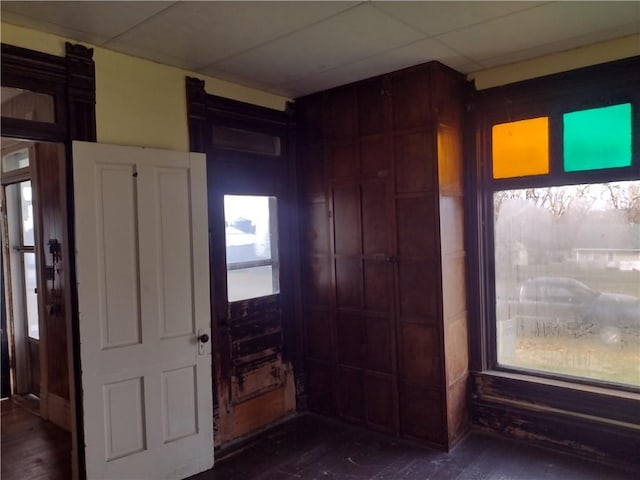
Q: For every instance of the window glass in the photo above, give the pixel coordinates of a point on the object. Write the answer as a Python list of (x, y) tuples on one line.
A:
[(30, 284), (26, 203), (521, 148), (15, 160), (251, 246), (597, 138), (567, 280), (26, 105)]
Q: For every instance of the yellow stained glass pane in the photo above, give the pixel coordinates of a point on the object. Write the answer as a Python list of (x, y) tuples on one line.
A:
[(521, 148)]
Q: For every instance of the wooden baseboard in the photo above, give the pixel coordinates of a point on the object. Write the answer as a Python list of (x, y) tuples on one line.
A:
[(581, 422), (59, 411)]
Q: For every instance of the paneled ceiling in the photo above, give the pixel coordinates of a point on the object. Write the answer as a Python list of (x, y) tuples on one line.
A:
[(295, 48)]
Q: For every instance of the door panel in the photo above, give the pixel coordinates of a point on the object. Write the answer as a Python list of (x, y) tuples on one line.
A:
[(143, 295)]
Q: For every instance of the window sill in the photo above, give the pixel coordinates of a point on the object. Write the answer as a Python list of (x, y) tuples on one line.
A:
[(567, 398)]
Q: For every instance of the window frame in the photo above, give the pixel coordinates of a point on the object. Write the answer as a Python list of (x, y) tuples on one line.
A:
[(592, 87)]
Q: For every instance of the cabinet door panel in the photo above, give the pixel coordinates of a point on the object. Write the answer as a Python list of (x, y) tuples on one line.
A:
[(410, 98), (374, 219), (379, 339), (379, 401), (346, 215), (349, 340), (371, 106), (350, 396), (378, 285), (344, 160), (348, 282), (374, 157)]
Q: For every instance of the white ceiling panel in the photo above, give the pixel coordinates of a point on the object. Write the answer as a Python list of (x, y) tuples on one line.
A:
[(440, 17), (204, 32), (563, 45), (546, 24), (358, 33), (295, 47), (414, 54), (102, 20)]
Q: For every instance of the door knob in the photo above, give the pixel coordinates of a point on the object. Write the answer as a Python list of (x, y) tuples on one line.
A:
[(204, 338)]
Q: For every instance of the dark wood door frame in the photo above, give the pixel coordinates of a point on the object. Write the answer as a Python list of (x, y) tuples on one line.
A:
[(70, 80), (255, 173)]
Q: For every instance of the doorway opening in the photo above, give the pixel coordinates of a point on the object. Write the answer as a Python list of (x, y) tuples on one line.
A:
[(34, 329)]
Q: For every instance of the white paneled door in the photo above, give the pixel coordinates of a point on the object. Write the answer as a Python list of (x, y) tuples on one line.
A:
[(143, 295)]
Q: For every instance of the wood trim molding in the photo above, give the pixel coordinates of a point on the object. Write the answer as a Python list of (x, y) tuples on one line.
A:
[(81, 92), (583, 421), (71, 81), (59, 410)]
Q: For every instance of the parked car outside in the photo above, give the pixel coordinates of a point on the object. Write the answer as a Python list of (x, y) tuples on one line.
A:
[(562, 305)]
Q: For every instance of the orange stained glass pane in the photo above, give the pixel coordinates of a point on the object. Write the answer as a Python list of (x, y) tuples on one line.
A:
[(521, 148)]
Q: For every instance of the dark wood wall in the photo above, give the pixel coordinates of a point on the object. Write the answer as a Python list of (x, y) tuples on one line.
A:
[(383, 295), (49, 182)]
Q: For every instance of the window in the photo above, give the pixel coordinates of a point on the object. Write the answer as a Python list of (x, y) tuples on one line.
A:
[(251, 246), (21, 241), (562, 241)]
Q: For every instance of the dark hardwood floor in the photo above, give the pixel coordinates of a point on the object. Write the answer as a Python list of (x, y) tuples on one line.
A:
[(32, 448), (311, 447)]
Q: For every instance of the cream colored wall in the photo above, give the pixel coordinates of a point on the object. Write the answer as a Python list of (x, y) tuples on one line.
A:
[(139, 102), (617, 49)]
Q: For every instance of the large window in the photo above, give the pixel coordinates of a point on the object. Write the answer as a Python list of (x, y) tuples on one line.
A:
[(562, 241)]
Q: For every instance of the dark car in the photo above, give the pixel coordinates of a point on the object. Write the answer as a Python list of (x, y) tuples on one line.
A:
[(571, 307)]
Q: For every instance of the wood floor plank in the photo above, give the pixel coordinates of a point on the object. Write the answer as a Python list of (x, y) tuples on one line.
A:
[(32, 448), (311, 447)]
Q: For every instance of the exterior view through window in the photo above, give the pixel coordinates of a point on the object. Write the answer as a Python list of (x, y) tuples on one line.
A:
[(251, 237), (567, 280)]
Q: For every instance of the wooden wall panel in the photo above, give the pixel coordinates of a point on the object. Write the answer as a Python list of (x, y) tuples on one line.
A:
[(420, 353), (419, 290), (348, 282), (374, 157), (315, 228), (312, 174), (346, 219), (316, 281), (350, 340), (371, 107), (379, 344), (320, 387), (421, 413), (411, 99), (380, 408), (320, 342), (344, 160), (375, 236), (378, 286), (350, 393), (49, 165), (416, 224), (340, 119), (414, 162)]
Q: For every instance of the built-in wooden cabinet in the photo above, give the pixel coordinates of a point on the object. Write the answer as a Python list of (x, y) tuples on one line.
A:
[(383, 263)]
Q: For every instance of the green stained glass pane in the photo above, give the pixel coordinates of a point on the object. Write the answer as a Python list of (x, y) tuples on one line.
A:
[(597, 138)]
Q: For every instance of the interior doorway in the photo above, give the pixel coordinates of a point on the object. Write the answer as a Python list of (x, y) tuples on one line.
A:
[(34, 327)]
